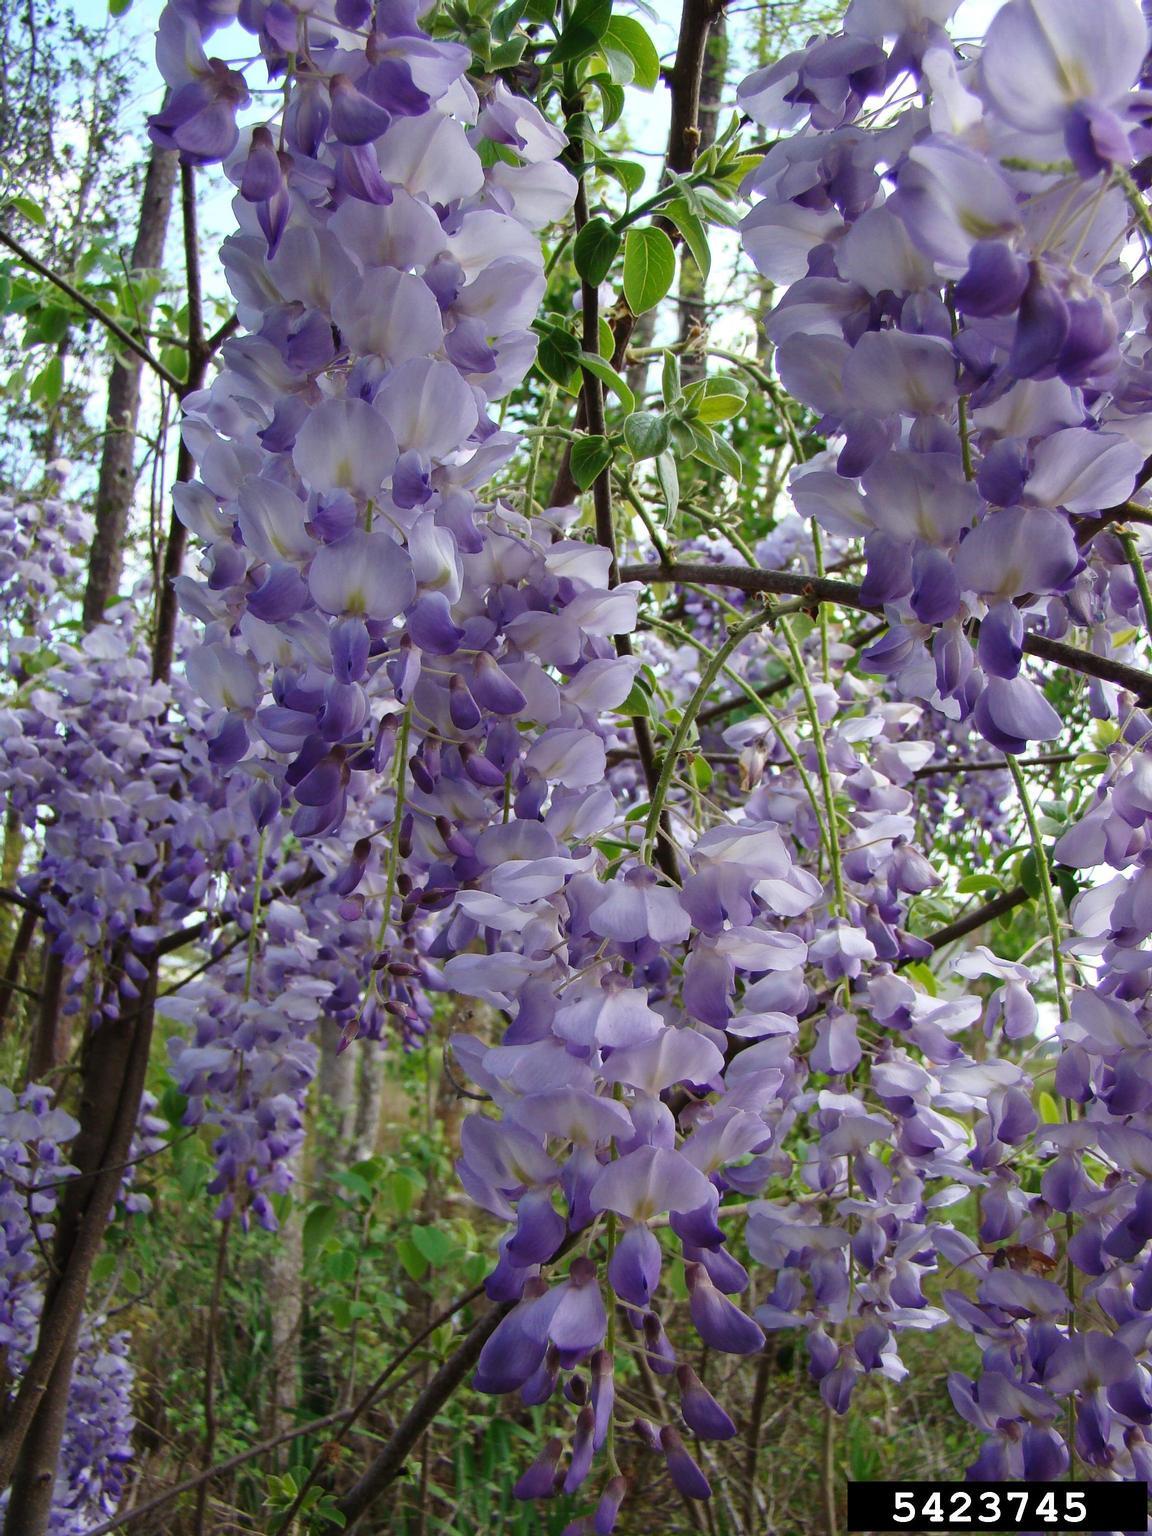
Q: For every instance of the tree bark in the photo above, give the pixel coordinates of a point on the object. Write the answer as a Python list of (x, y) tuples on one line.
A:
[(117, 484), (692, 293), (113, 1070)]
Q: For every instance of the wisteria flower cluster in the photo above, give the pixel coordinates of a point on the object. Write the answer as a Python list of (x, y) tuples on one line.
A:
[(98, 1432), (959, 311)]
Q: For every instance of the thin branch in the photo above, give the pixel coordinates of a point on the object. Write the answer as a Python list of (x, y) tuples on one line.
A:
[(993, 765), (113, 326), (17, 900), (387, 1465), (847, 594), (369, 1396), (1008, 901)]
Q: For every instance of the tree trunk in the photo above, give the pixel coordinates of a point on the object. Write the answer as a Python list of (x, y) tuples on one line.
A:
[(691, 295), (117, 484)]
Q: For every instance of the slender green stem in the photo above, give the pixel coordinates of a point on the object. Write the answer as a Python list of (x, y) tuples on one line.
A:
[(254, 931), (1140, 575), (1048, 895), (691, 709), (762, 707), (801, 675), (821, 609), (401, 782), (627, 490), (537, 435)]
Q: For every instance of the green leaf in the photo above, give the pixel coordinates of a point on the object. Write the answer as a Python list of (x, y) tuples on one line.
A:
[(722, 399), (506, 20), (624, 34), (668, 479), (923, 974), (175, 359), (319, 1225), (702, 774), (434, 1243), (414, 1262), (586, 26), (52, 323), (637, 702), (595, 250), (646, 434), (649, 268), (558, 356), (590, 456), (48, 385), (608, 376), (612, 96), (715, 451), (670, 387), (626, 172), (1049, 1109), (509, 54), (30, 210), (119, 7), (341, 1265), (403, 1192), (695, 235)]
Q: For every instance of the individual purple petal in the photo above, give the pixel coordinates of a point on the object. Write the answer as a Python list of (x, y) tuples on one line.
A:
[(684, 1472), (702, 1413), (1083, 471), (1043, 57), (578, 1323), (935, 588), (1015, 551), (604, 1520), (356, 118), (366, 575), (890, 373), (345, 445), (718, 1321), (540, 1479), (1042, 328), (1000, 648), (995, 280), (648, 1182), (493, 689), (634, 1268), (950, 197)]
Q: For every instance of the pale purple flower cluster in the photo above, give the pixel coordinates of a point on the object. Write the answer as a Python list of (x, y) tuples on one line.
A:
[(42, 540), (964, 316), (97, 1439), (960, 313)]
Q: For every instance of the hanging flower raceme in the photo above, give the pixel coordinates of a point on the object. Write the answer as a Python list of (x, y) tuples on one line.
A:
[(959, 318), (97, 1440)]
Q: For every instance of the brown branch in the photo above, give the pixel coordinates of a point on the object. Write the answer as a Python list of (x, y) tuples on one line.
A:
[(1008, 901), (995, 765), (211, 1423), (683, 79), (21, 944), (111, 325), (369, 1396), (387, 1465), (825, 590), (15, 899), (112, 1083), (592, 399), (164, 640)]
